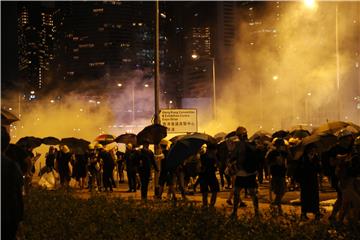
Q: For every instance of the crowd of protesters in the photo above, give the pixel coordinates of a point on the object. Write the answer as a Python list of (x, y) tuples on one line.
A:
[(244, 164)]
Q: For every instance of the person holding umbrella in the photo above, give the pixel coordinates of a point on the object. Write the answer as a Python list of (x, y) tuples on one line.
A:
[(277, 158), (247, 166), (131, 166), (307, 175), (146, 160), (207, 176), (62, 162), (108, 166), (93, 168)]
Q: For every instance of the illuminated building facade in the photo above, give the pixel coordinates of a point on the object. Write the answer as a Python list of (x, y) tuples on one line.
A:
[(36, 32)]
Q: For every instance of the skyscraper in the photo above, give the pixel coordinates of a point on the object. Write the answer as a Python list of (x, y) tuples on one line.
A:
[(35, 41)]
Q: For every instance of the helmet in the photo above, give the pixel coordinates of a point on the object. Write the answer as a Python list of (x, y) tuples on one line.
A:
[(278, 142), (99, 146), (293, 141), (357, 141), (91, 146)]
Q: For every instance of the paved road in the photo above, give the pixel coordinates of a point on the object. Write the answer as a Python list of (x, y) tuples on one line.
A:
[(327, 196)]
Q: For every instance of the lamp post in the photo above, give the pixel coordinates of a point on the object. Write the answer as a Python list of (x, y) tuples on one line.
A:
[(195, 57), (311, 4)]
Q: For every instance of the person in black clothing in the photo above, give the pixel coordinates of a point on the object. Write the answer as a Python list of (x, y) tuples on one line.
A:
[(166, 176), (307, 175), (93, 168), (277, 158), (146, 160), (207, 176), (246, 169), (131, 166), (108, 167), (12, 206), (120, 165), (63, 160), (81, 161), (330, 161), (223, 156), (49, 161)]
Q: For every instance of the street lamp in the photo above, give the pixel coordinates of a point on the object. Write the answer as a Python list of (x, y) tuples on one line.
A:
[(311, 4), (196, 57)]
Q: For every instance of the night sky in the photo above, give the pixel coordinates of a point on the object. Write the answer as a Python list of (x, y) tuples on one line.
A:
[(8, 43)]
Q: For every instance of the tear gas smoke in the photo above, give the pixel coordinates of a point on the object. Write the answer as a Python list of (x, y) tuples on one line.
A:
[(288, 69)]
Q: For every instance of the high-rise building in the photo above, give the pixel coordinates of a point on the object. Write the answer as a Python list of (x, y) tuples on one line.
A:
[(211, 29), (35, 41)]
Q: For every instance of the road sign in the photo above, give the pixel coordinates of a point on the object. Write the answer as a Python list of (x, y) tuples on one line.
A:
[(179, 120)]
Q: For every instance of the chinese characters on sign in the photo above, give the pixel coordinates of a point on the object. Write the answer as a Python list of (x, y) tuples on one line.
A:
[(179, 120)]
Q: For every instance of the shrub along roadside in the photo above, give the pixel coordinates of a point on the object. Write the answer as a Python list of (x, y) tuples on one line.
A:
[(61, 215)]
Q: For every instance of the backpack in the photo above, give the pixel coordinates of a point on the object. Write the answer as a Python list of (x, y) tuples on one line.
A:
[(252, 159)]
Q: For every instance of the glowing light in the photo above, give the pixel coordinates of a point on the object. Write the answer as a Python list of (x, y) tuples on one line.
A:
[(275, 77), (98, 102), (52, 100), (81, 110), (10, 109), (309, 93), (32, 92), (170, 101), (310, 4), (146, 85), (119, 85), (194, 56)]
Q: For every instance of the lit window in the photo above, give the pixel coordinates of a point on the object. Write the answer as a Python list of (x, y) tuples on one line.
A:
[(88, 45), (98, 10)]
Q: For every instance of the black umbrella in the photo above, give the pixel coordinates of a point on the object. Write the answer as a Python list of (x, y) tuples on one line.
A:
[(323, 142), (30, 141), (261, 135), (7, 117), (51, 141), (333, 127), (127, 138), (185, 147), (299, 133), (231, 134), (75, 144), (280, 134), (220, 136), (174, 139), (152, 134)]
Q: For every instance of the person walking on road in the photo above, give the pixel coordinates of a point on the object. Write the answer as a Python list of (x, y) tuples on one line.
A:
[(247, 165), (131, 166), (207, 176), (277, 158), (146, 160), (307, 176)]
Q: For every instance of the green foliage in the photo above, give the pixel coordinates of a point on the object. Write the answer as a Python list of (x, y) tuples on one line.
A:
[(61, 215)]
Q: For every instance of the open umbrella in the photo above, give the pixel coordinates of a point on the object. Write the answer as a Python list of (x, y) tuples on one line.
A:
[(299, 133), (127, 138), (333, 127), (220, 136), (105, 139), (280, 134), (323, 142), (261, 135), (29, 141), (75, 144), (51, 141), (185, 147), (152, 134), (7, 117), (231, 134), (177, 137)]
